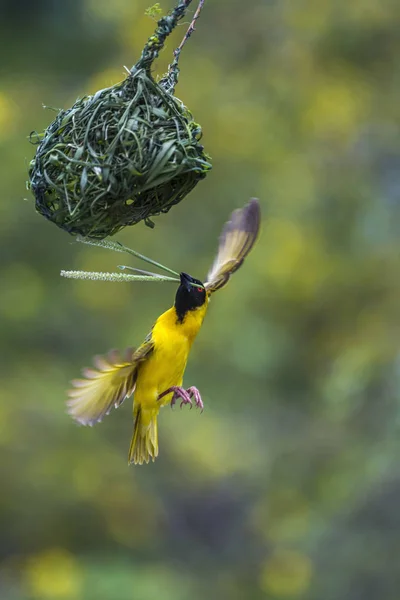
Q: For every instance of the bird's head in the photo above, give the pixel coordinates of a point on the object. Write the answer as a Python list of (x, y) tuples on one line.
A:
[(191, 294)]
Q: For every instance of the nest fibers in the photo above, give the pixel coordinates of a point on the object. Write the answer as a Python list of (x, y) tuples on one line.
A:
[(123, 155)]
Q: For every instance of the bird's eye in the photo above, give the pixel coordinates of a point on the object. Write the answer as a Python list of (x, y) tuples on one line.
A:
[(199, 289)]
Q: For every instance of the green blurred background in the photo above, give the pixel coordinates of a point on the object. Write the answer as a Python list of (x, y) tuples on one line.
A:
[(287, 486)]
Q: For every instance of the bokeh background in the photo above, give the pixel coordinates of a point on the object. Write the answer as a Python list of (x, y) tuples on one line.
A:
[(287, 486)]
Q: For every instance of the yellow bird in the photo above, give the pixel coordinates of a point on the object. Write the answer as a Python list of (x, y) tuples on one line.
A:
[(154, 372)]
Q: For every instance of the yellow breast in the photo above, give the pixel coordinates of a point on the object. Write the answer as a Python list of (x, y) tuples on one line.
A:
[(166, 366), (167, 325)]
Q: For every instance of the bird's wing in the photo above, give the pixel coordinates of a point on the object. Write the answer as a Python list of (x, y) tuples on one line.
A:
[(111, 381), (235, 242)]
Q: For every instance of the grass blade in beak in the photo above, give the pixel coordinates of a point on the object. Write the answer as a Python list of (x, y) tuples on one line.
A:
[(141, 271), (119, 277), (118, 247)]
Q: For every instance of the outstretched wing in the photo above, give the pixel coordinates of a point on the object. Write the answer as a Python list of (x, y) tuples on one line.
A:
[(111, 381), (236, 241)]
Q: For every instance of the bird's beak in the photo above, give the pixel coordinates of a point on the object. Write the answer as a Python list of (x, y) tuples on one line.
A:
[(185, 280)]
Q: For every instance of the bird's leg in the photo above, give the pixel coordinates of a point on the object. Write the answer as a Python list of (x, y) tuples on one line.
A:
[(184, 395), (194, 393), (178, 392)]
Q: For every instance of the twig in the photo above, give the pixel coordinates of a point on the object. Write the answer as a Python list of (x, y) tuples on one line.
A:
[(170, 80), (189, 31)]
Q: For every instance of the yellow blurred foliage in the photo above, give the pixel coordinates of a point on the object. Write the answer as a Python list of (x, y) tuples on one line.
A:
[(296, 258), (337, 106), (291, 179), (283, 516), (348, 375), (238, 130), (117, 10), (216, 451), (7, 426), (133, 517), (310, 16), (286, 573), (368, 12), (9, 115), (54, 575), (86, 476), (207, 71), (133, 33), (105, 79)]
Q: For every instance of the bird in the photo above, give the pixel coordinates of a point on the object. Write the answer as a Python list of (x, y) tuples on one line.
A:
[(153, 373)]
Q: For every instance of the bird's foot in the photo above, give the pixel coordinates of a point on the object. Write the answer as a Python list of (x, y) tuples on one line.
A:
[(184, 395), (178, 392), (194, 393)]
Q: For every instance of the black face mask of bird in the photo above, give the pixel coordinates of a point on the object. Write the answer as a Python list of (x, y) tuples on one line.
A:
[(190, 295)]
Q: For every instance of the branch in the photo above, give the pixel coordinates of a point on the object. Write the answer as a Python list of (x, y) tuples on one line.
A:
[(170, 79), (189, 32)]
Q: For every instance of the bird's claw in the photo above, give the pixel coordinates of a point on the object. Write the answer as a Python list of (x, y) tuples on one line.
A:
[(186, 401), (178, 392), (185, 396), (194, 393)]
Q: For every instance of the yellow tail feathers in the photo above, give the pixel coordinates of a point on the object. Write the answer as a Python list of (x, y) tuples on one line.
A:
[(144, 444)]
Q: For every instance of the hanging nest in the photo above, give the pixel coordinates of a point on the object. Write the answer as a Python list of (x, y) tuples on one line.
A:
[(123, 155)]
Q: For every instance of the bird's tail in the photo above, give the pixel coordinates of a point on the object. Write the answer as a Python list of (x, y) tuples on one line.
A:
[(144, 444)]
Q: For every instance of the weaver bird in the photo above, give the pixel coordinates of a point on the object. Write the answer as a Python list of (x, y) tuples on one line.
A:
[(154, 372)]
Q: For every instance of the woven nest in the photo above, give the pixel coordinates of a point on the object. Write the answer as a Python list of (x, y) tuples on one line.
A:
[(123, 155)]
